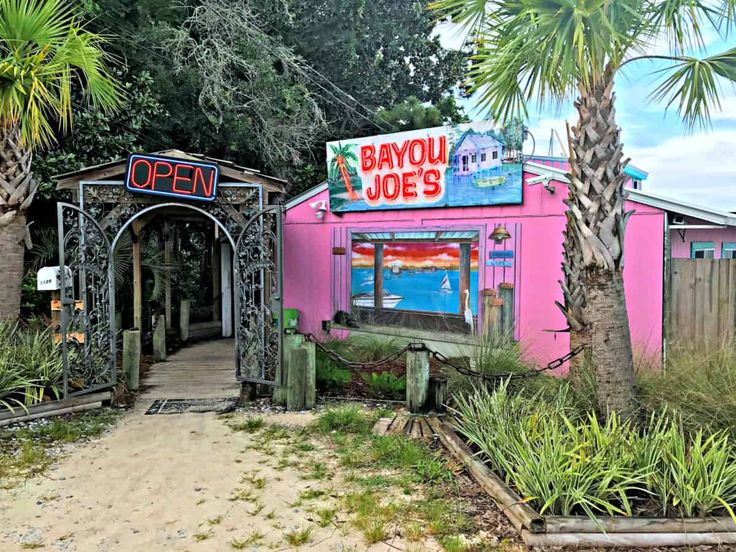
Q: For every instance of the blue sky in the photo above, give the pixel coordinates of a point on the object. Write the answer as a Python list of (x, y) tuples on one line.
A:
[(698, 166)]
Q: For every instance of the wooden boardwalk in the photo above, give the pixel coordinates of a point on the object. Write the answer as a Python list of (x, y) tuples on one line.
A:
[(204, 370)]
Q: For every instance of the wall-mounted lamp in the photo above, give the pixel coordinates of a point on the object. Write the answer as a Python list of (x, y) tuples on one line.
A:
[(320, 208), (499, 234)]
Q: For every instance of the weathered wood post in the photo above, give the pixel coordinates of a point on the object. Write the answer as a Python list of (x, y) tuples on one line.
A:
[(132, 358), (136, 230), (491, 312), (417, 377), (297, 370), (159, 339), (184, 310), (506, 294), (437, 395), (310, 380), (291, 342)]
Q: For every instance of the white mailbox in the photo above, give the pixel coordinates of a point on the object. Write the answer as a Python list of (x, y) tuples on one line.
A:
[(49, 278)]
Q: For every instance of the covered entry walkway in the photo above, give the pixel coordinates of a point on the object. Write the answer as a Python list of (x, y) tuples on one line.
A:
[(204, 370)]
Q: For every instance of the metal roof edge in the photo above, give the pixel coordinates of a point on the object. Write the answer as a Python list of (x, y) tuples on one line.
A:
[(305, 195), (681, 207)]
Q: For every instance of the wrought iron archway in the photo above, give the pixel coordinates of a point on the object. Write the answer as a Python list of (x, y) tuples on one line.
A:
[(88, 234)]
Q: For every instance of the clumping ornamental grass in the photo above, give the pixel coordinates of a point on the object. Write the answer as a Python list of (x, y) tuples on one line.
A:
[(565, 465)]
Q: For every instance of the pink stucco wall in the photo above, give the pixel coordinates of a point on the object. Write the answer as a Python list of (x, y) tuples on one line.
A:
[(681, 240), (317, 282)]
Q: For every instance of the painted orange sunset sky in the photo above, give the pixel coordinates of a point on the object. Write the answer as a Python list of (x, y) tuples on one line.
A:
[(414, 255)]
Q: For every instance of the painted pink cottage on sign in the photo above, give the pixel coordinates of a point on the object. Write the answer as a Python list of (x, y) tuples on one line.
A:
[(423, 273), (476, 152)]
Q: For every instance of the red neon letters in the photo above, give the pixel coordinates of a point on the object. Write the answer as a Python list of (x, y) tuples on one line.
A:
[(171, 177), (404, 172)]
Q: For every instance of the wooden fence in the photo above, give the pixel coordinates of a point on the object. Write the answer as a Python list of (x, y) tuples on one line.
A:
[(702, 306)]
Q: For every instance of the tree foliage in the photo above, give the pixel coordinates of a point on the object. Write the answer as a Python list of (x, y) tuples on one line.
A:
[(412, 114)]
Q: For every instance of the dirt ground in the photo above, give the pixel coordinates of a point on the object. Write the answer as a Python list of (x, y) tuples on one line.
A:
[(176, 482)]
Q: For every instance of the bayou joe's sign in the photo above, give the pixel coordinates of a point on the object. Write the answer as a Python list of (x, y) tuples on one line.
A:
[(450, 166), (171, 177)]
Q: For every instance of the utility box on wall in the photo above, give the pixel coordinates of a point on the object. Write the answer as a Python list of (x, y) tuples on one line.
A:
[(291, 320)]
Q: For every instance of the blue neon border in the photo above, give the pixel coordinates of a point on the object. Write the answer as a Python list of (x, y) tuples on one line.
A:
[(134, 156)]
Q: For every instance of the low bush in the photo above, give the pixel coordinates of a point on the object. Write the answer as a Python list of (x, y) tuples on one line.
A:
[(330, 375), (30, 366), (385, 385), (345, 419), (698, 384), (565, 464)]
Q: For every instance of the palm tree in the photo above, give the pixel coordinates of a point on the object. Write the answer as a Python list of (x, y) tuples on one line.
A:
[(43, 52), (542, 50), (340, 166)]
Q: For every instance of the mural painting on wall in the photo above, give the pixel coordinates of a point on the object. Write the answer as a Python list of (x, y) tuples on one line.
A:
[(416, 274), (450, 166)]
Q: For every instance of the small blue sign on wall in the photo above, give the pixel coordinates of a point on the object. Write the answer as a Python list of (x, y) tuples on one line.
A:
[(505, 264), (502, 254)]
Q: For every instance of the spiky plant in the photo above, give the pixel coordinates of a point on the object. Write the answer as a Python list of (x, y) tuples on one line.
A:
[(559, 49), (44, 50)]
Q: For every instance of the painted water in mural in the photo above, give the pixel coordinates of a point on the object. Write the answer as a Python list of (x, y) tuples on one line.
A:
[(450, 166), (417, 276)]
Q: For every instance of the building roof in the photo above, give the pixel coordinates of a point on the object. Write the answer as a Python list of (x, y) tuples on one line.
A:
[(480, 141), (113, 169)]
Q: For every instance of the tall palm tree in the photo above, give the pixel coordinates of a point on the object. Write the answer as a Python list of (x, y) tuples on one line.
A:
[(44, 51), (554, 50)]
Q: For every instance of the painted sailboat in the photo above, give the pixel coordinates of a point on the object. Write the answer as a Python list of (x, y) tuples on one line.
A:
[(445, 286), (390, 300)]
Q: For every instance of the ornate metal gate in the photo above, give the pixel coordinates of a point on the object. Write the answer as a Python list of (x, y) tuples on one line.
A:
[(87, 277), (258, 298)]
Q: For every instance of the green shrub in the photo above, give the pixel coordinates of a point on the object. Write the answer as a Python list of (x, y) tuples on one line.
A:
[(364, 348), (384, 385), (698, 384), (568, 465), (346, 418), (331, 375)]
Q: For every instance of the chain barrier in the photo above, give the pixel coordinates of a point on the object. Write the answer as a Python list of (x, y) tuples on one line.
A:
[(442, 359)]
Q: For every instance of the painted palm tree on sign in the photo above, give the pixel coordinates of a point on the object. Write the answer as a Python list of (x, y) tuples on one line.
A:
[(43, 52), (342, 155), (554, 50)]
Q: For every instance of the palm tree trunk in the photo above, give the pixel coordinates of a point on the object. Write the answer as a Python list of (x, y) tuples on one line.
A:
[(597, 222), (17, 189)]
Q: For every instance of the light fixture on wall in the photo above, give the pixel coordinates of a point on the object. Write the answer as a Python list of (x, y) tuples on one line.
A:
[(320, 208), (499, 234)]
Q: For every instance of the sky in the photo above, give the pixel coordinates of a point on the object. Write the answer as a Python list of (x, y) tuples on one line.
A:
[(697, 166), (413, 255)]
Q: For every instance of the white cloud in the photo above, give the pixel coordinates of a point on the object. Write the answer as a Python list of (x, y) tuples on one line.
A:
[(452, 36), (700, 167)]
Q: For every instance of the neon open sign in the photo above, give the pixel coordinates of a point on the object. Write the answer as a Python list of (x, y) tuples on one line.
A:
[(171, 177)]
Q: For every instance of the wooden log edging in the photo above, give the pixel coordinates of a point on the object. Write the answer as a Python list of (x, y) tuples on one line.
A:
[(55, 408), (521, 515), (577, 531)]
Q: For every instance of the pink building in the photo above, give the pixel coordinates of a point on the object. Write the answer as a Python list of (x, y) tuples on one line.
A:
[(332, 262)]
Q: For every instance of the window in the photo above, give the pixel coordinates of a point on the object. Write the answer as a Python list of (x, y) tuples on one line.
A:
[(474, 158), (495, 154), (420, 279), (482, 157), (728, 250), (702, 250)]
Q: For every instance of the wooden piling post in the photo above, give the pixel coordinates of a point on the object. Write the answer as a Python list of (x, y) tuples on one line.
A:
[(159, 339), (437, 395), (132, 358), (310, 386), (491, 312), (297, 372), (137, 277), (417, 378), (291, 342), (506, 294), (184, 310)]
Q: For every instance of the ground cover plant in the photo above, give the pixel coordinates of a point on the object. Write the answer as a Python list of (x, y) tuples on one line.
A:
[(29, 449), (566, 461), (30, 366)]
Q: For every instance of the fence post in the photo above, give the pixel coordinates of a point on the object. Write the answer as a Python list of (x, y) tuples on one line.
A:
[(132, 358), (159, 339), (310, 385), (291, 342), (437, 395), (417, 378), (184, 309), (297, 372), (491, 312)]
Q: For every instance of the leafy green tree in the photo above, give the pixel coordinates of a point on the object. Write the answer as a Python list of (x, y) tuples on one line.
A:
[(43, 52), (555, 50), (412, 114)]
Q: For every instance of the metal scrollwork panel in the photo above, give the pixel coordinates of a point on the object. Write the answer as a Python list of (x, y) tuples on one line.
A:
[(258, 297), (87, 302)]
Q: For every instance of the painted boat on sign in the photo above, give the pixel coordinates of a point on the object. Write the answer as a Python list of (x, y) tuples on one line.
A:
[(390, 300)]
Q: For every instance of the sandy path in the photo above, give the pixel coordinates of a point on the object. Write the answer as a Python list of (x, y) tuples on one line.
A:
[(152, 484)]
